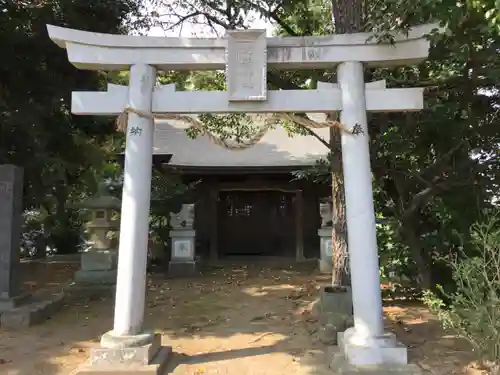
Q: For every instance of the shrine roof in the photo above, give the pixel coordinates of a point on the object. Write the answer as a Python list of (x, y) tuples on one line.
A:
[(276, 149)]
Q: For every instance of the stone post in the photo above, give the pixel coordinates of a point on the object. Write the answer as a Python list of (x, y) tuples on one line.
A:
[(183, 235), (326, 247), (366, 343), (325, 237)]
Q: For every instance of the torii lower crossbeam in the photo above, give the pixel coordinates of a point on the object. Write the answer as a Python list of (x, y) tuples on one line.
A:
[(166, 100)]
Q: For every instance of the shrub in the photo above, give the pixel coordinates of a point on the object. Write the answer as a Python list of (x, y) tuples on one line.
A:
[(472, 311)]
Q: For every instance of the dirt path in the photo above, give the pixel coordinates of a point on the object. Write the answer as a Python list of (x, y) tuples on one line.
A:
[(232, 321)]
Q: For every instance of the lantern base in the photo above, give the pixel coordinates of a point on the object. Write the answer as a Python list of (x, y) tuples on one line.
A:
[(98, 267), (99, 260), (107, 277)]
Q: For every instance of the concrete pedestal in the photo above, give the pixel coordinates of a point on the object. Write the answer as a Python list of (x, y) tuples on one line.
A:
[(184, 269), (339, 302), (335, 313), (326, 247), (182, 262), (98, 267)]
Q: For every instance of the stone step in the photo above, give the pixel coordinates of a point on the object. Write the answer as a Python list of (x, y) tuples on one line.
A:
[(33, 310)]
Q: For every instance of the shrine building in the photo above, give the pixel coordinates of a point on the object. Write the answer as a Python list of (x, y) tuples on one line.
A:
[(247, 202)]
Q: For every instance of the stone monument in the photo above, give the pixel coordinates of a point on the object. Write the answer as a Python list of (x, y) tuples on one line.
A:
[(183, 236), (11, 195), (17, 309), (98, 263)]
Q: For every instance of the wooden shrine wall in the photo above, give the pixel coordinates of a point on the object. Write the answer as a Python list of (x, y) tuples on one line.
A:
[(256, 215)]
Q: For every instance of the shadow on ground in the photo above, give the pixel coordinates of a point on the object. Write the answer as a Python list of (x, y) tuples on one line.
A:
[(245, 320)]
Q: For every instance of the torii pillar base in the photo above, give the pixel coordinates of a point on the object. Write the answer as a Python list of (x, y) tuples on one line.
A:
[(341, 367), (386, 356), (142, 354)]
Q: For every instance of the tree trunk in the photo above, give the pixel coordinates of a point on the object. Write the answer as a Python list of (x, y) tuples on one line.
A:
[(424, 278), (340, 267), (347, 18)]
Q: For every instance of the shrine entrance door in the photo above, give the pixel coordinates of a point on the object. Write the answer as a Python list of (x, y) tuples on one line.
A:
[(260, 223)]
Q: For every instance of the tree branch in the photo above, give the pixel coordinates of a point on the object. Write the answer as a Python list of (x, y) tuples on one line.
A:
[(321, 139), (273, 16), (424, 196), (280, 83), (438, 164), (194, 13), (181, 20)]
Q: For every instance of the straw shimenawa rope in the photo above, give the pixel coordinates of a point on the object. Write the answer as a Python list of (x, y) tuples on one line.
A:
[(122, 124)]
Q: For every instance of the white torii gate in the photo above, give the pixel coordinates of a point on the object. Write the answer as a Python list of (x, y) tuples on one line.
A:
[(245, 55)]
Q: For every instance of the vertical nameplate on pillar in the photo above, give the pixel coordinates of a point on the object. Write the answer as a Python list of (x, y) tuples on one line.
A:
[(246, 65), (11, 192)]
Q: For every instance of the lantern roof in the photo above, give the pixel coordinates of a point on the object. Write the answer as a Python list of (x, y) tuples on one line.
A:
[(102, 199)]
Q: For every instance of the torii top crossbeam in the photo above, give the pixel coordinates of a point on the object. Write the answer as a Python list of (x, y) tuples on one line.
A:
[(246, 55), (89, 50)]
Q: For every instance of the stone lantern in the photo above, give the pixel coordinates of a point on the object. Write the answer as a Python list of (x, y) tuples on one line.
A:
[(98, 263)]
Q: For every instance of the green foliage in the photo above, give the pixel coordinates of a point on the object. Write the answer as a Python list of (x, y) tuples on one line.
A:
[(435, 170), (60, 154), (320, 172), (66, 236), (472, 310), (489, 9), (168, 193), (396, 265)]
